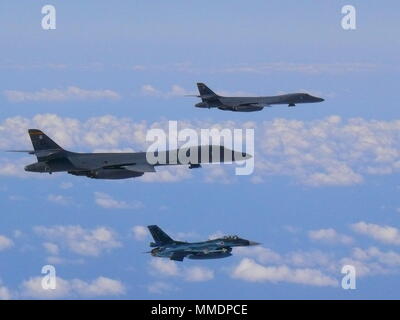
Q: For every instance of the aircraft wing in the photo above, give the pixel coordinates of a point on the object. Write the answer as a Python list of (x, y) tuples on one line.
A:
[(178, 256)]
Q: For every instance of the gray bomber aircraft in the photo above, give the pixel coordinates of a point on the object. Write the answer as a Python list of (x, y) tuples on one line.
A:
[(249, 104), (165, 247), (52, 158)]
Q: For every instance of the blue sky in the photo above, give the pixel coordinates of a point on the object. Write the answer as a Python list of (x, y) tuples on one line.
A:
[(325, 189)]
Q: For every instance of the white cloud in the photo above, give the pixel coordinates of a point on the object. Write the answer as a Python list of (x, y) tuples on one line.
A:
[(164, 267), (66, 185), (263, 255), (51, 248), (385, 234), (175, 91), (249, 270), (149, 90), (159, 287), (368, 262), (198, 274), (216, 235), (105, 201), (373, 261), (5, 293), (329, 151), (100, 286), (79, 240), (58, 199), (140, 232), (60, 95), (169, 268), (329, 236), (5, 243), (12, 169), (33, 288)]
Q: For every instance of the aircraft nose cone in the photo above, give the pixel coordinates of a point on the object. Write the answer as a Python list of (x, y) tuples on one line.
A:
[(253, 243), (321, 100)]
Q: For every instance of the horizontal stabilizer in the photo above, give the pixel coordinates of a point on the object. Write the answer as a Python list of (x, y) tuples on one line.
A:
[(23, 151), (38, 153)]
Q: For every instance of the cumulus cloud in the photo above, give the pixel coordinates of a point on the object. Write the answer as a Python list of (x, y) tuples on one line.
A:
[(249, 270), (328, 151), (59, 199), (168, 268), (175, 91), (5, 293), (329, 236), (100, 286), (79, 240), (140, 233), (51, 248), (10, 168), (159, 287), (164, 267), (264, 262), (60, 95), (5, 243), (264, 255), (105, 201), (385, 234), (198, 274), (373, 261)]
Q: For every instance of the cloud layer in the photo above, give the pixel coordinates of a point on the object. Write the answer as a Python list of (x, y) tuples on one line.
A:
[(325, 152), (60, 95)]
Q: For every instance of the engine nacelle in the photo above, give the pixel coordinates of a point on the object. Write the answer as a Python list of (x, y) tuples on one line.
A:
[(202, 105), (111, 174)]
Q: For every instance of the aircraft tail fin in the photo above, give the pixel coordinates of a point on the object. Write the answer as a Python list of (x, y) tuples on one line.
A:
[(42, 142), (159, 236), (205, 92)]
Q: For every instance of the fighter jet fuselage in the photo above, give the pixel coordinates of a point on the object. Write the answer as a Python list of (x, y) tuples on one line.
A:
[(249, 104), (166, 247)]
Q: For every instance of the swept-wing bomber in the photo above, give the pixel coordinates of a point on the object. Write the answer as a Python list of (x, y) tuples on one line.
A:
[(248, 104), (53, 158)]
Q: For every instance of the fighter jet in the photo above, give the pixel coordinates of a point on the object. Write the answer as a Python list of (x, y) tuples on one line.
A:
[(249, 104), (52, 158), (165, 247)]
